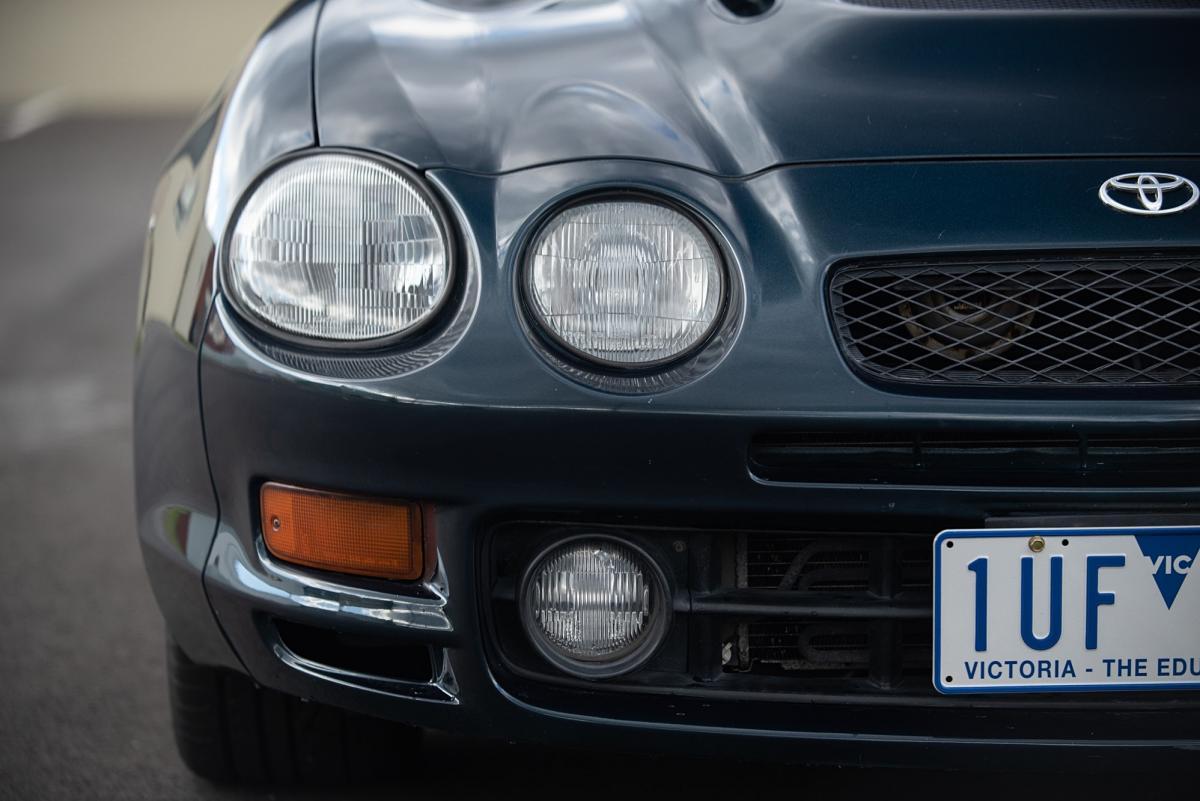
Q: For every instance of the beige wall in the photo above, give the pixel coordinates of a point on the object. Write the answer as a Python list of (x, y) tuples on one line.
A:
[(124, 55)]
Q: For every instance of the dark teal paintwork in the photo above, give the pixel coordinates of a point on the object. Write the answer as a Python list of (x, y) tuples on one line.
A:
[(816, 80), (822, 132)]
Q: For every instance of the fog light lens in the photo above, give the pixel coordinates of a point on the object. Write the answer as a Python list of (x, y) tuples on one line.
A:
[(595, 607), (343, 533)]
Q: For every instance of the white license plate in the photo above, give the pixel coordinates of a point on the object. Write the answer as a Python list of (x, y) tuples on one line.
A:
[(1035, 610)]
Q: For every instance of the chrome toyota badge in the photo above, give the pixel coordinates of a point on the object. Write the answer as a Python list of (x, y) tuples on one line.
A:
[(1153, 193)]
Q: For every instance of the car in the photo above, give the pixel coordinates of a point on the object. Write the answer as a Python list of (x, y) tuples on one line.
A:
[(808, 380)]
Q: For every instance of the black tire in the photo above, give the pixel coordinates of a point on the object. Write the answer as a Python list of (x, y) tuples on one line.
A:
[(229, 730)]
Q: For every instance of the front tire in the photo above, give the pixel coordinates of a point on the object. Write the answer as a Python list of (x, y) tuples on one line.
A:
[(229, 730)]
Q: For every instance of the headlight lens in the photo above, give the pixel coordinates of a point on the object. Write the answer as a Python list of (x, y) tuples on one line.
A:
[(339, 248), (625, 283), (594, 607)]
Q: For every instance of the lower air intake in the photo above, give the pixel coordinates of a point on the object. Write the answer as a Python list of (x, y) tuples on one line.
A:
[(878, 640)]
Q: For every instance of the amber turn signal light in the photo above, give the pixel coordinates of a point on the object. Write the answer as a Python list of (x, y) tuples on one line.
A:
[(343, 533)]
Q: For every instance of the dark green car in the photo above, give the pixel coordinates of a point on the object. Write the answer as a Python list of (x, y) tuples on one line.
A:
[(816, 380)]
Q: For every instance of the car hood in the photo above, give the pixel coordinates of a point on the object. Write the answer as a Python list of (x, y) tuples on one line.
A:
[(513, 85)]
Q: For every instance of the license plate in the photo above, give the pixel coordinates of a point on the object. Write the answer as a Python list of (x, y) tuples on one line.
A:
[(1087, 609)]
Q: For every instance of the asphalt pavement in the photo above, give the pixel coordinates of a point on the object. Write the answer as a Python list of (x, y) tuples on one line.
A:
[(83, 709)]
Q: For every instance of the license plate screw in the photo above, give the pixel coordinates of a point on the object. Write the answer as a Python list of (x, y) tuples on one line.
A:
[(1037, 544)]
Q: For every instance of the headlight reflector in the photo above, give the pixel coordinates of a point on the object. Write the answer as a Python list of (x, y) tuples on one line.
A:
[(625, 283), (339, 248), (594, 607)]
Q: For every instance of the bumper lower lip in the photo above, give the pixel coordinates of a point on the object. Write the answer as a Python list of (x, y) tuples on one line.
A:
[(265, 590), (443, 689)]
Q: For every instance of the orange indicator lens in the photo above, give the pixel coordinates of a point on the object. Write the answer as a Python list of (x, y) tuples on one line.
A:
[(343, 533)]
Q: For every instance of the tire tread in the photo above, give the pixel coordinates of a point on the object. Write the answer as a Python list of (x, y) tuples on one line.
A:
[(230, 731)]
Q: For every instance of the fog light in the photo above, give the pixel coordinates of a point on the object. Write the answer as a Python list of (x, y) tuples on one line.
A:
[(343, 533), (595, 606)]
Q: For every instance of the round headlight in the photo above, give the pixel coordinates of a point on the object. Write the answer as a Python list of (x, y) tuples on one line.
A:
[(595, 607), (625, 283), (339, 248)]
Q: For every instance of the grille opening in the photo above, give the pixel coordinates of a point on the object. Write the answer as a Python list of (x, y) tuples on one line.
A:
[(1057, 321), (357, 653), (858, 581), (788, 562), (980, 458), (835, 649)]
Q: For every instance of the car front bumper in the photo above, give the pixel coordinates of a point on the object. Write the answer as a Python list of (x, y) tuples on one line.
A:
[(491, 435), (480, 467)]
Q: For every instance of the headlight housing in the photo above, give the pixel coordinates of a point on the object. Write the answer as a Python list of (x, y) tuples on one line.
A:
[(336, 249), (595, 606), (624, 282)]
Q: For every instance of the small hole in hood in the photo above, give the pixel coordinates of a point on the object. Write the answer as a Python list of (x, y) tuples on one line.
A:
[(746, 8)]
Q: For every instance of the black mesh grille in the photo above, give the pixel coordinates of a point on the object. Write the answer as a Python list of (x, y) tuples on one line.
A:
[(1132, 321)]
